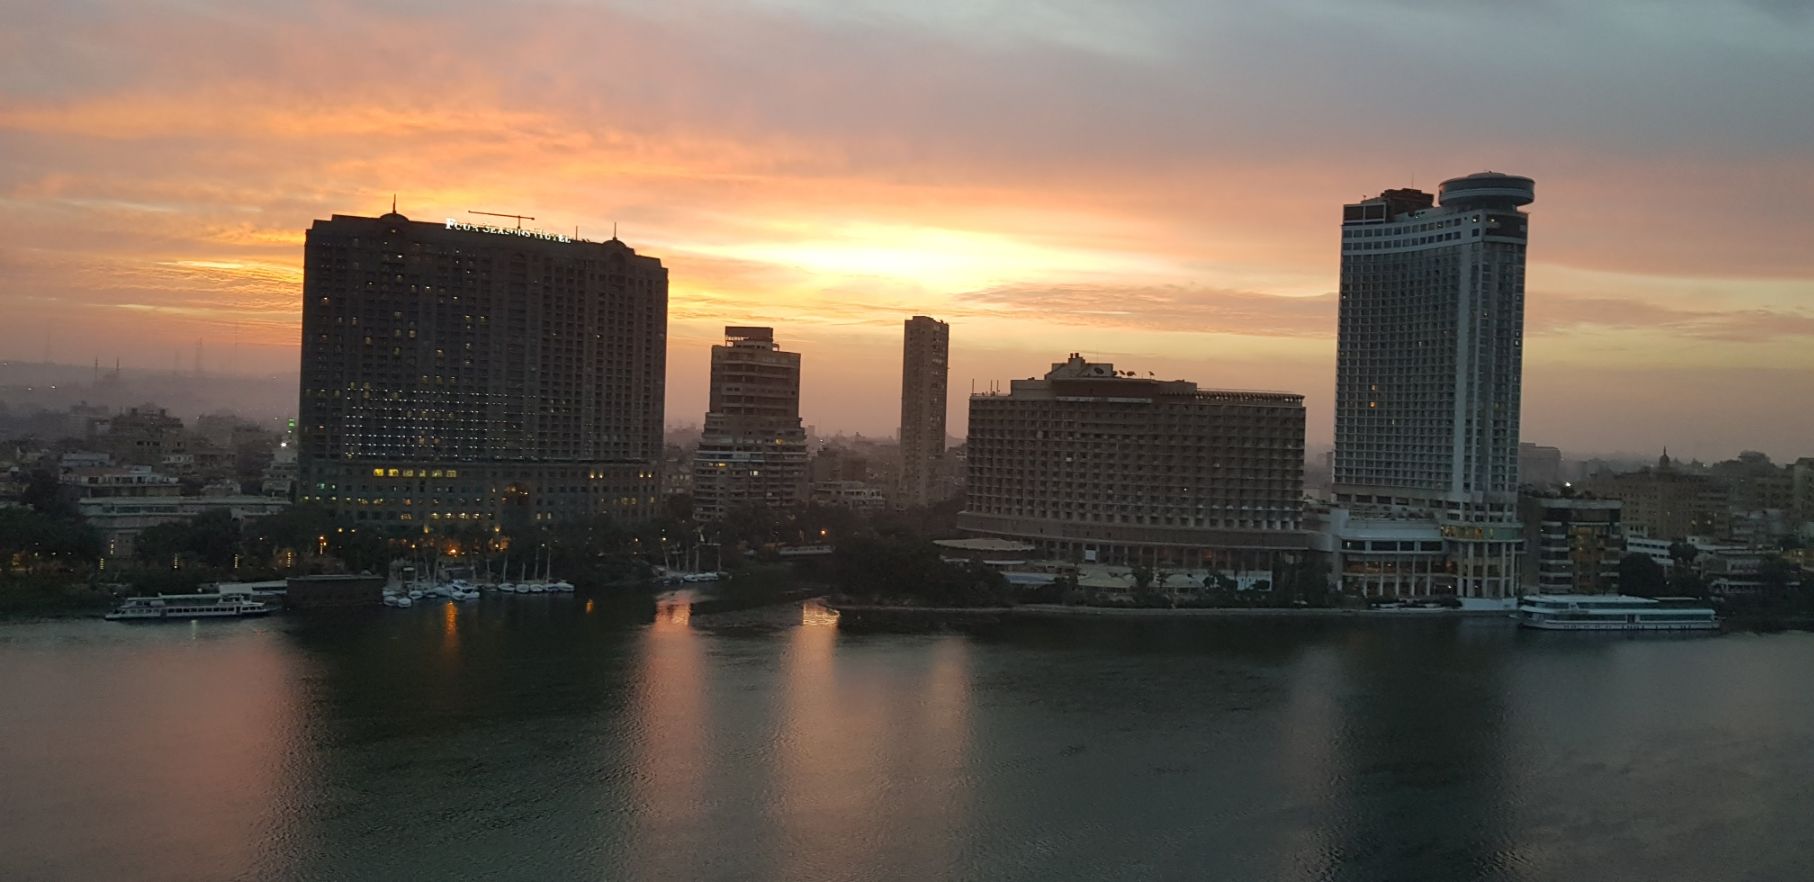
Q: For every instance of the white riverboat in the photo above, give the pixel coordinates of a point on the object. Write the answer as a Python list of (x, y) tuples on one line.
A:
[(188, 606), (1612, 612)]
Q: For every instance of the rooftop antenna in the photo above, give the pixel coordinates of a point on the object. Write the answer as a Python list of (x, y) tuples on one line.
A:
[(614, 231), (519, 217), (393, 203)]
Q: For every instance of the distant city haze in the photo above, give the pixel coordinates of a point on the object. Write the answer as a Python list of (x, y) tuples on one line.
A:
[(1149, 184)]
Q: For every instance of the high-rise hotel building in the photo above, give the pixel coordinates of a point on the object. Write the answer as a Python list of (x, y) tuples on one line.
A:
[(460, 374), (1093, 466), (1428, 372), (752, 452), (925, 373)]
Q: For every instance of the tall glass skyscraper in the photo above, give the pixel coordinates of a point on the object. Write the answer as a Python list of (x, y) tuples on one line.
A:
[(1428, 375)]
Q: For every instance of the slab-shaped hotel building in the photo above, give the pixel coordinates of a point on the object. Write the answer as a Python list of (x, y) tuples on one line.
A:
[(1091, 465), (457, 374)]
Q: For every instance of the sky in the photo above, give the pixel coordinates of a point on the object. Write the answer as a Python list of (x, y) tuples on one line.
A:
[(1156, 183)]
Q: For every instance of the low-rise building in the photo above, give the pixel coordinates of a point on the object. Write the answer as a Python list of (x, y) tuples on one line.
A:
[(1383, 555), (855, 495), (1572, 543), (140, 436), (120, 519), (1731, 571), (1096, 466), (1539, 466), (1668, 502), (280, 475), (102, 482)]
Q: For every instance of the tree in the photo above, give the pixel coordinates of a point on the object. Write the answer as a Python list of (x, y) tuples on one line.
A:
[(213, 537), (1640, 576), (296, 528), (1305, 578), (161, 544), (36, 537), (1777, 575), (1683, 553), (44, 494), (906, 569), (359, 550)]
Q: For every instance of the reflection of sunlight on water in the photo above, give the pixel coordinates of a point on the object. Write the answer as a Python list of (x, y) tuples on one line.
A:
[(673, 614), (814, 613), (450, 628), (854, 761), (671, 758), (220, 740), (1311, 729)]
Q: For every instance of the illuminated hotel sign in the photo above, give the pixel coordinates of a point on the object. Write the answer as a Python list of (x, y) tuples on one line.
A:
[(506, 231)]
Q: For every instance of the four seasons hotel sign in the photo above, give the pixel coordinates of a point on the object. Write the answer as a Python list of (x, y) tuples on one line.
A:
[(506, 231)]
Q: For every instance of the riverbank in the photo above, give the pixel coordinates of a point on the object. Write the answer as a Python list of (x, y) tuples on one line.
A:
[(1053, 610), (895, 617), (43, 598), (881, 612)]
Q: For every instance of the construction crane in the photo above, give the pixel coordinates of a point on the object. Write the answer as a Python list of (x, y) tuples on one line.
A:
[(519, 217)]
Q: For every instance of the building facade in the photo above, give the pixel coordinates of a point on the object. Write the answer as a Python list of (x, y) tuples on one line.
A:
[(1429, 371), (925, 375), (1092, 466), (458, 374), (119, 520), (140, 436), (1539, 466), (1572, 544), (1665, 502), (752, 451)]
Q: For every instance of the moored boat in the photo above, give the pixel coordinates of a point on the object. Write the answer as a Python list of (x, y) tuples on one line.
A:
[(1612, 612), (187, 606)]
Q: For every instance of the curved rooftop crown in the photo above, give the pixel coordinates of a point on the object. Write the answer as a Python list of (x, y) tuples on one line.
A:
[(1488, 190)]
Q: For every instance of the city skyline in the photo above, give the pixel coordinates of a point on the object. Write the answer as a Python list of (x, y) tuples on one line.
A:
[(153, 206)]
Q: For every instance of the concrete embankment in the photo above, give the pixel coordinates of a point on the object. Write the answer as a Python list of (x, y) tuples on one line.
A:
[(882, 616)]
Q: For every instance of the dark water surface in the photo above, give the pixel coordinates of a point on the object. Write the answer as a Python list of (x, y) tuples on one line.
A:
[(542, 739)]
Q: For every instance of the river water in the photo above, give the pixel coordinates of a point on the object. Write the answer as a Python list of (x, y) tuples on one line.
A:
[(552, 739)]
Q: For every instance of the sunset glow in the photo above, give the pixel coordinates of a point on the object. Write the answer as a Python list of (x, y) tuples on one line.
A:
[(1140, 183)]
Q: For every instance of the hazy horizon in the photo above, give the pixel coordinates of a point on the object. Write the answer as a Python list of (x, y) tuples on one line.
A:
[(194, 399)]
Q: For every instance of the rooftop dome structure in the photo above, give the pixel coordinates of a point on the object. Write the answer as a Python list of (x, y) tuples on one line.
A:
[(1487, 190)]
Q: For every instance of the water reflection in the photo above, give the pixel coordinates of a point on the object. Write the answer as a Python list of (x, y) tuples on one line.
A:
[(815, 614), (535, 740), (674, 612), (1433, 752), (872, 743), (149, 742), (670, 767), (450, 631)]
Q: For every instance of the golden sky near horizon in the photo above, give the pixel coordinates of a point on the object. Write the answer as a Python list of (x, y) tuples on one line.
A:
[(1155, 184)]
